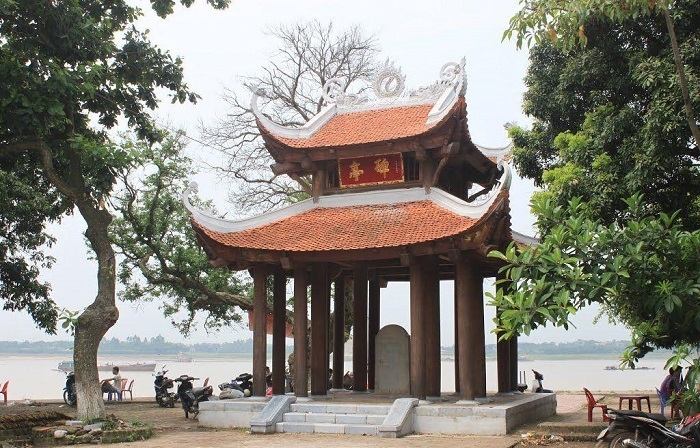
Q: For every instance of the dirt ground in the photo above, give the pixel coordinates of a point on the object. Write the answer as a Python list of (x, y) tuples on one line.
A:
[(173, 431)]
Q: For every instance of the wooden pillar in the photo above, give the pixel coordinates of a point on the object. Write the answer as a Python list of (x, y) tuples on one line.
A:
[(279, 326), (338, 332), (417, 329), (431, 316), (456, 338), (514, 363), (301, 375), (470, 315), (319, 329), (327, 319), (373, 329), (507, 357), (503, 364), (359, 332), (259, 329)]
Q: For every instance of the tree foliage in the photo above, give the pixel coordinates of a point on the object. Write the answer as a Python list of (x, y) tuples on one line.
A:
[(161, 258), (71, 70), (309, 54), (573, 23), (642, 269), (610, 122)]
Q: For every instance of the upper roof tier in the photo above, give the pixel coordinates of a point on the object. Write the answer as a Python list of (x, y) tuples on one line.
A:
[(383, 113)]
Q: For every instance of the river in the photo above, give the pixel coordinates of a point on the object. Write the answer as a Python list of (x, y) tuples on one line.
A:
[(38, 378)]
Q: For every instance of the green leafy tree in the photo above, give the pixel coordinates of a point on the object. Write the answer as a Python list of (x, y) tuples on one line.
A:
[(568, 23), (71, 70), (610, 122), (161, 258)]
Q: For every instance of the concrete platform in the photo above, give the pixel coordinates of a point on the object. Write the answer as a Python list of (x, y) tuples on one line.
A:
[(493, 416)]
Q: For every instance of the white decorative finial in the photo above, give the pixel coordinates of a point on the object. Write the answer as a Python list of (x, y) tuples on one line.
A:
[(333, 89), (450, 71), (388, 81)]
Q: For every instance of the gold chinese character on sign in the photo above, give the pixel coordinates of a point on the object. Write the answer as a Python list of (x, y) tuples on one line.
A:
[(381, 166), (355, 171)]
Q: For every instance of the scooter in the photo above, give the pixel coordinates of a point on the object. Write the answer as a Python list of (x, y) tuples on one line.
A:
[(69, 395), (164, 397), (645, 430), (537, 383), (241, 386), (190, 396)]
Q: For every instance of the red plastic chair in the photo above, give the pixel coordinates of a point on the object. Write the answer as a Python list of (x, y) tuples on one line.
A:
[(4, 390), (592, 403), (127, 390)]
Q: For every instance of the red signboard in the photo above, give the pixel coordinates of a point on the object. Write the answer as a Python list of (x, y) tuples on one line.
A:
[(373, 170)]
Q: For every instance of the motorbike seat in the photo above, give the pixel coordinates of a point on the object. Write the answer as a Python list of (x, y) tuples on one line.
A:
[(634, 413), (202, 390)]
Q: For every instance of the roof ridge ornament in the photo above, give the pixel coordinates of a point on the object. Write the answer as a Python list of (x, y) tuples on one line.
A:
[(389, 84), (388, 81)]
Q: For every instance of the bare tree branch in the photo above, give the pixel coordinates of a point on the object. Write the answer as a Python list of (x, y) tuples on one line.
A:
[(310, 54)]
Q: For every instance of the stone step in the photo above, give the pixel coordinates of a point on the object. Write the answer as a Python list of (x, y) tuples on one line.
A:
[(344, 408), (327, 428), (345, 419)]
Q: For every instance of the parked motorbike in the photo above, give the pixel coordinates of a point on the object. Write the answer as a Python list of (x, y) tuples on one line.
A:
[(190, 396), (162, 385), (69, 395), (537, 386), (646, 430), (241, 386)]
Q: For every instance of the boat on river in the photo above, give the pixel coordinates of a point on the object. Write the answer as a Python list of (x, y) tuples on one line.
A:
[(636, 368), (68, 366)]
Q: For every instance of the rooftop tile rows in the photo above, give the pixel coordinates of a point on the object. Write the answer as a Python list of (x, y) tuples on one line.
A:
[(367, 127), (351, 228)]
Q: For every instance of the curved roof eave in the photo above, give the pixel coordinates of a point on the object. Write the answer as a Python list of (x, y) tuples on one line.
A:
[(375, 197)]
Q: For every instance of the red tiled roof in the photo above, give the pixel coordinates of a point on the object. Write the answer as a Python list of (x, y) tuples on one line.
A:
[(367, 127), (350, 228)]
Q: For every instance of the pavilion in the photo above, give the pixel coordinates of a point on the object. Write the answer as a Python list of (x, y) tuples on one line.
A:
[(399, 193)]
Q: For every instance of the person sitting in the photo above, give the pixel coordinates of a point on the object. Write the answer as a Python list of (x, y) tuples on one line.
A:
[(268, 382), (670, 384), (115, 387)]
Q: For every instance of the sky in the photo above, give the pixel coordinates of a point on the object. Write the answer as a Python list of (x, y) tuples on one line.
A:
[(220, 47)]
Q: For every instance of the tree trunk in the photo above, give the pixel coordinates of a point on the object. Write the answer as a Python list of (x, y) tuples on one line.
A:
[(687, 105), (101, 314), (97, 318)]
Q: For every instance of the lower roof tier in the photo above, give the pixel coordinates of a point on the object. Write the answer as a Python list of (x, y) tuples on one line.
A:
[(377, 220)]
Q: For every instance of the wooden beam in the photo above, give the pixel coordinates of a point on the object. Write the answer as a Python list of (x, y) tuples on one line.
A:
[(302, 183), (448, 151), (279, 169)]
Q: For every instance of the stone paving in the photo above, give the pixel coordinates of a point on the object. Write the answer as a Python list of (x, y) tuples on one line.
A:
[(172, 430)]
